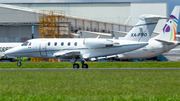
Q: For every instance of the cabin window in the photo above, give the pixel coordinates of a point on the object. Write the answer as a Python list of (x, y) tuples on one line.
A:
[(55, 44), (69, 43), (49, 43), (62, 43), (75, 44)]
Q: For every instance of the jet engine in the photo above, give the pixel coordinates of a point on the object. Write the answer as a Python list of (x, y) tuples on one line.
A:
[(97, 43)]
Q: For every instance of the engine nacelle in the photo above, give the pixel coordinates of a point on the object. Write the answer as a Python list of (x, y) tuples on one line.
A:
[(97, 43)]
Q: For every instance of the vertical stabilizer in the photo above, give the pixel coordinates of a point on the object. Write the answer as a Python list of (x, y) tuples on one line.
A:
[(170, 29), (143, 30)]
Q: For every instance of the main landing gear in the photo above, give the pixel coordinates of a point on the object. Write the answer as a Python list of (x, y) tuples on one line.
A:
[(76, 66), (84, 66), (19, 63)]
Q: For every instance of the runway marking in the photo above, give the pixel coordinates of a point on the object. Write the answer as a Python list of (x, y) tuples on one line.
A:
[(69, 69)]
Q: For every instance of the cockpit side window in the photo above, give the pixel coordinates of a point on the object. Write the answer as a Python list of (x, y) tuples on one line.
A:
[(25, 43), (30, 44)]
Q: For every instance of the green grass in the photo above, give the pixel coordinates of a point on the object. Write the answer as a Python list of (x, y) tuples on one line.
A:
[(90, 85), (95, 65)]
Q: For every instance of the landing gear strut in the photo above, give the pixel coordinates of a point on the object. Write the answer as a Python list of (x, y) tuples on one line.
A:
[(19, 63), (84, 66)]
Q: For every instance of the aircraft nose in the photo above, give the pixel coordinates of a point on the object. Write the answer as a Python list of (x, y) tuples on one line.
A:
[(8, 52)]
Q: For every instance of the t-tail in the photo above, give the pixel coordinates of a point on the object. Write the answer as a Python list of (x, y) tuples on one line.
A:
[(143, 30), (170, 28)]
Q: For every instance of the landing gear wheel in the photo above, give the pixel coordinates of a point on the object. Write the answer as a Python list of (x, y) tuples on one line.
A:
[(85, 66), (76, 66), (19, 64)]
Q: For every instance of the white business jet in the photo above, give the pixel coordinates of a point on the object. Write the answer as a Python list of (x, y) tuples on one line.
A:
[(74, 49), (164, 42)]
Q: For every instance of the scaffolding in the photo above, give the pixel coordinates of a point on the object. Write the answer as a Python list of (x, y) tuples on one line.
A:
[(53, 24)]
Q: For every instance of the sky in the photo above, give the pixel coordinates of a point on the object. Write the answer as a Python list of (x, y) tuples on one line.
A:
[(171, 3)]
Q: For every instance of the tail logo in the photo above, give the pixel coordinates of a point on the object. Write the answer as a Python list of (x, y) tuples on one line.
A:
[(171, 27)]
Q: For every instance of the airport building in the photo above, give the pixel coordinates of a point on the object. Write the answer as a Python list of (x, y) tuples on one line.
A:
[(18, 21)]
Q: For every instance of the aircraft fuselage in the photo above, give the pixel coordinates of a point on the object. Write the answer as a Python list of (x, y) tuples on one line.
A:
[(88, 48), (153, 49)]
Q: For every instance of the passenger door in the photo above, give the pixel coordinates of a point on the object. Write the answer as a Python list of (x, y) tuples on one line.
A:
[(42, 48)]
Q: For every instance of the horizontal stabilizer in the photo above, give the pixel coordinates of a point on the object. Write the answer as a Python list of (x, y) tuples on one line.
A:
[(127, 32), (178, 36), (98, 33), (165, 42), (159, 17)]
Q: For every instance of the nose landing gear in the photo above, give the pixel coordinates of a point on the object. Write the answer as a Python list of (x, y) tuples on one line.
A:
[(19, 63)]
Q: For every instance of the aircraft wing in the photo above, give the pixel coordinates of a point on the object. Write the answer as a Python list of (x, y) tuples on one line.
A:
[(165, 42), (67, 54)]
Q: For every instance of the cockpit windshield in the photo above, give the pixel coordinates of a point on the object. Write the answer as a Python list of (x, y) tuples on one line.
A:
[(25, 43)]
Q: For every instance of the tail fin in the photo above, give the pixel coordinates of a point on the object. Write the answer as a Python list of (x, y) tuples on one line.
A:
[(143, 30), (170, 29)]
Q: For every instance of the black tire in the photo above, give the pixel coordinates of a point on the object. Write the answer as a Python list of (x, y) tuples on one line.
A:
[(76, 66), (85, 66), (19, 64)]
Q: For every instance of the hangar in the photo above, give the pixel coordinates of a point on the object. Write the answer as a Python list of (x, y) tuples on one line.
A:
[(17, 19)]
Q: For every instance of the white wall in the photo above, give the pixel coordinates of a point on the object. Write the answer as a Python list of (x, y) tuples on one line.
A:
[(107, 12), (17, 33)]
